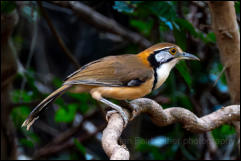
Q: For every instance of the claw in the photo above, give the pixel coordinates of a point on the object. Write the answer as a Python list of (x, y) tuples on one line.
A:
[(109, 113), (123, 116), (134, 111)]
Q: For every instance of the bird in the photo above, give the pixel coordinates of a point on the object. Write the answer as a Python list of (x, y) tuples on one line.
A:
[(121, 77)]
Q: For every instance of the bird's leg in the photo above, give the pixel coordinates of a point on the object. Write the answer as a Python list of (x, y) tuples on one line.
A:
[(117, 108), (109, 113), (96, 95)]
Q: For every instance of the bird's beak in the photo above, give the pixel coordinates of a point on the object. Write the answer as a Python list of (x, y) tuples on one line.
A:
[(185, 55)]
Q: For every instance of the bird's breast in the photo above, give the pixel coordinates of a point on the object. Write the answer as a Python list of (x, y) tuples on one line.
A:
[(162, 72)]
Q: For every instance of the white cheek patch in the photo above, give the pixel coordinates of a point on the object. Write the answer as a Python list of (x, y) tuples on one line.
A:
[(162, 56)]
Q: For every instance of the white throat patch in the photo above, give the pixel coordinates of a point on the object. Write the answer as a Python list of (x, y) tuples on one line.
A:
[(163, 72)]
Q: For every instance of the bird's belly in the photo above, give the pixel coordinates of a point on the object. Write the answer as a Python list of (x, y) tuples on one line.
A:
[(126, 93)]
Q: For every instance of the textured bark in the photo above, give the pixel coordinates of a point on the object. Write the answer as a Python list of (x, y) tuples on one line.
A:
[(225, 27), (163, 117), (8, 71), (110, 138)]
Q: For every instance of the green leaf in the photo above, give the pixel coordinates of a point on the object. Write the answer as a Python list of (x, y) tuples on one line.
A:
[(180, 37), (221, 134), (184, 100), (66, 115), (237, 7), (27, 143), (82, 97), (19, 114), (34, 138), (143, 26), (24, 96), (163, 9), (79, 146), (85, 101), (186, 26), (59, 101), (183, 70), (211, 37), (31, 140), (84, 108), (57, 82), (7, 6)]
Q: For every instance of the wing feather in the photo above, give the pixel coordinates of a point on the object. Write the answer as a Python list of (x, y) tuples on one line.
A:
[(112, 71)]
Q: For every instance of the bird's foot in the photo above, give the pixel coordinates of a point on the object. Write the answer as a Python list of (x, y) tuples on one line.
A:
[(117, 109), (122, 114)]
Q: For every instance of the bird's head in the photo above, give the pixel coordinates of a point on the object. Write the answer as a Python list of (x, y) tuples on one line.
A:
[(162, 58)]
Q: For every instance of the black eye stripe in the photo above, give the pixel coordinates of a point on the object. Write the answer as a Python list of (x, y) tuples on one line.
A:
[(153, 62), (158, 51)]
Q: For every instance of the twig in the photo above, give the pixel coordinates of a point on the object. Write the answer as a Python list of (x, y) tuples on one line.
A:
[(102, 22), (219, 76), (30, 56), (57, 36), (164, 117)]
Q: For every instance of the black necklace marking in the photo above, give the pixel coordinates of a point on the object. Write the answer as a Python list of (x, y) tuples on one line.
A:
[(155, 80), (154, 65)]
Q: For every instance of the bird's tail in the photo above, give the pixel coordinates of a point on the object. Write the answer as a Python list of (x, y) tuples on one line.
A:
[(35, 113)]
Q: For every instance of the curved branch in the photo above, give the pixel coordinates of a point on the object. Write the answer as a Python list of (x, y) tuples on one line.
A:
[(163, 117), (190, 120), (110, 138)]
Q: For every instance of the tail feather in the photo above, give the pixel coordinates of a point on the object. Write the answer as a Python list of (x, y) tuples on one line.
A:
[(33, 116)]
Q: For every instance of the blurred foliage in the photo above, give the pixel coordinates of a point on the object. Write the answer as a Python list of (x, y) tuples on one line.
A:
[(221, 134), (142, 146), (30, 12), (80, 147), (7, 6), (151, 19), (66, 115), (237, 7), (166, 13), (19, 114)]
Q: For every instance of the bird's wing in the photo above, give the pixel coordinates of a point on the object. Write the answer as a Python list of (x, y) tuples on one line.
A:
[(113, 71)]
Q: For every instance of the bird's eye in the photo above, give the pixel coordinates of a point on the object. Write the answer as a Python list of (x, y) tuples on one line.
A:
[(173, 51)]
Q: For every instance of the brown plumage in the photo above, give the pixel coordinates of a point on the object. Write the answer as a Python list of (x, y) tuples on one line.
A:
[(112, 71), (123, 77)]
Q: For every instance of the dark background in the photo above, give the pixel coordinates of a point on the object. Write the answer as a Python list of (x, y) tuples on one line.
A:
[(42, 65)]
